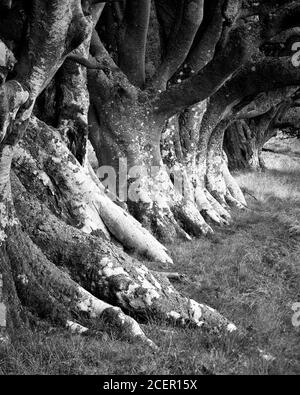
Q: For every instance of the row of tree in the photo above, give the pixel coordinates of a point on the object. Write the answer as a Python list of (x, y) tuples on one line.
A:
[(244, 140), (156, 83)]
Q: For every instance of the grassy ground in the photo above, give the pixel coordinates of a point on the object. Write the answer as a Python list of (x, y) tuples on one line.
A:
[(249, 271)]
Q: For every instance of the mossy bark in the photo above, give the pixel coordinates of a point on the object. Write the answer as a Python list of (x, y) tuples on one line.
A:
[(59, 273)]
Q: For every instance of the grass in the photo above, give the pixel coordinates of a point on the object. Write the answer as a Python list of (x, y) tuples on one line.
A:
[(249, 271)]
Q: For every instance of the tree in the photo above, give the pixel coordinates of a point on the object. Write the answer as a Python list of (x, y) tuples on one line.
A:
[(244, 139), (61, 235), (200, 50)]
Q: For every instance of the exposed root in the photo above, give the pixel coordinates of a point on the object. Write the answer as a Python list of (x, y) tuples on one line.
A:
[(181, 155), (210, 208), (50, 293), (159, 219), (223, 187), (76, 328), (222, 211), (113, 316), (220, 183), (109, 274), (233, 188), (191, 219), (233, 202), (168, 212), (44, 153)]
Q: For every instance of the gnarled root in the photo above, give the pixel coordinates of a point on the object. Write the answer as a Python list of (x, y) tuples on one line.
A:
[(166, 209), (220, 182), (44, 155), (108, 273), (49, 292), (223, 187)]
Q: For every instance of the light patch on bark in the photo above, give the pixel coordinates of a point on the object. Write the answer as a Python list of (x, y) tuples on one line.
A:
[(150, 294), (170, 290), (5, 164), (78, 189), (6, 219), (156, 283), (91, 305), (151, 291), (12, 96), (208, 308), (96, 308), (200, 315), (76, 328), (143, 271), (195, 311), (21, 156), (113, 271), (231, 328), (57, 27), (173, 314), (2, 54), (7, 58), (23, 279)]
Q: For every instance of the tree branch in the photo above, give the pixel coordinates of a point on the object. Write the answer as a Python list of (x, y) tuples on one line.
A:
[(81, 57), (264, 102), (180, 40), (209, 80), (102, 80), (61, 28), (267, 75), (203, 49), (132, 49)]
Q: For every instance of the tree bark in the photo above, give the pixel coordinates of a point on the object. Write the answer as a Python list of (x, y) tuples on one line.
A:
[(62, 236), (243, 146), (71, 278), (245, 138)]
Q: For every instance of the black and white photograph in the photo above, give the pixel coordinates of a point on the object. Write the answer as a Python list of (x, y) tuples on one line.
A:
[(149, 190)]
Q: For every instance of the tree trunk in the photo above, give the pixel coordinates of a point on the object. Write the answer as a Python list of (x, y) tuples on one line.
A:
[(126, 135), (220, 182), (244, 141), (75, 192), (46, 255), (30, 282), (69, 277), (197, 150), (241, 147), (184, 154)]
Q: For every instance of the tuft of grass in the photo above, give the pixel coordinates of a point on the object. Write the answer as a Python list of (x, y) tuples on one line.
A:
[(249, 271)]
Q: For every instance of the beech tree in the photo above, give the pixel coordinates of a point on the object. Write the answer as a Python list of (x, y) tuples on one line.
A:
[(74, 69), (200, 51), (244, 139)]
